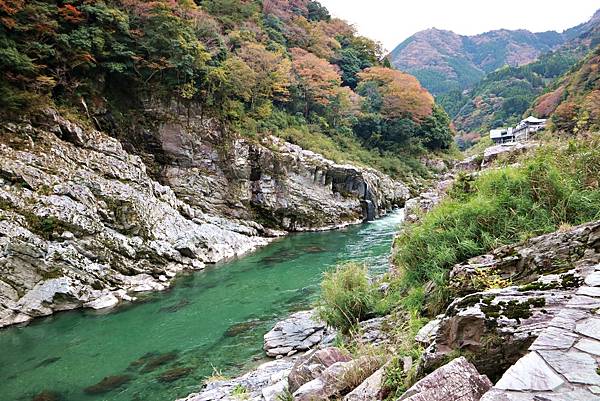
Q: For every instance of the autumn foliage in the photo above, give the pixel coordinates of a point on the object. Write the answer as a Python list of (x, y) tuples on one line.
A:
[(547, 103), (402, 95), (574, 106), (255, 66), (315, 77)]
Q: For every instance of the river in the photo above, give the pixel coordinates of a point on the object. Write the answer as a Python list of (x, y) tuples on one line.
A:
[(163, 346)]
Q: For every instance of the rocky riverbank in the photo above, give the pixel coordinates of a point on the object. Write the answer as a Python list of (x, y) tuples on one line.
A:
[(523, 317), (548, 311), (85, 223)]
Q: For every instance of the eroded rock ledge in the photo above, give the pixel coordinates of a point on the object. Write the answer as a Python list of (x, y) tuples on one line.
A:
[(82, 223)]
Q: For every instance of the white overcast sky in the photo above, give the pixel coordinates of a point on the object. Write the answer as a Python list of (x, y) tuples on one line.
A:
[(392, 21)]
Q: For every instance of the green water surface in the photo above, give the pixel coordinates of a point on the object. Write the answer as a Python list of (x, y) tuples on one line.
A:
[(163, 347)]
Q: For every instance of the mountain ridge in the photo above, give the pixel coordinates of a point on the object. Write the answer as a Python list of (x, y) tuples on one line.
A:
[(443, 60)]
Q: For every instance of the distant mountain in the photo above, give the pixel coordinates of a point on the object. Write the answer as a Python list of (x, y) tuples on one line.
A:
[(444, 61)]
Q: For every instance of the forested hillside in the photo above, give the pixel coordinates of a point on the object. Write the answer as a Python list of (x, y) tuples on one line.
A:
[(573, 102), (271, 67), (504, 95)]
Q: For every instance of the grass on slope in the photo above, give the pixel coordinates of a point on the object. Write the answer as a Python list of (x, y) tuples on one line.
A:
[(557, 186)]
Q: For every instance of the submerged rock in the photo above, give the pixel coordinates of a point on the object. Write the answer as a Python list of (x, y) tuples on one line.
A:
[(154, 362), (175, 374), (47, 396), (240, 328), (107, 384)]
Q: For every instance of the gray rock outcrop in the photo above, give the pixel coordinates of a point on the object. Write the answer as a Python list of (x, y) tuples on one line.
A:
[(299, 332), (458, 380), (277, 182)]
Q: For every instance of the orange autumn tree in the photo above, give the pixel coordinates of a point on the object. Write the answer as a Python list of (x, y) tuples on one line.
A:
[(316, 79), (402, 95)]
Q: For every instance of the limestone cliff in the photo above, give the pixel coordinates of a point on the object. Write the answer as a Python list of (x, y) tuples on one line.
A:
[(83, 224)]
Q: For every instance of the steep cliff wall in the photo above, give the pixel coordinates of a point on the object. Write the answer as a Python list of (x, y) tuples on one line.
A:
[(83, 224)]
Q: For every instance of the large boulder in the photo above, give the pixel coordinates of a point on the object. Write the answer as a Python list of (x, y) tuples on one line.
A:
[(495, 327), (299, 332), (338, 379), (458, 380), (310, 365)]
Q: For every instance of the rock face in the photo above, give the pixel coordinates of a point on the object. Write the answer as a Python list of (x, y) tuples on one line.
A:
[(83, 224), (562, 364), (455, 381), (271, 181), (495, 327), (300, 332)]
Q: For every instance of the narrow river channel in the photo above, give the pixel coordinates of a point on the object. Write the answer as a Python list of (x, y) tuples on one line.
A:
[(164, 346)]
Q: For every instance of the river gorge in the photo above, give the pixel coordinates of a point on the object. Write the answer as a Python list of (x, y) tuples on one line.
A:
[(164, 346)]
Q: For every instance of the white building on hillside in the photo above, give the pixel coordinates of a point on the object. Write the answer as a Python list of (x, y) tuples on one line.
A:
[(520, 132)]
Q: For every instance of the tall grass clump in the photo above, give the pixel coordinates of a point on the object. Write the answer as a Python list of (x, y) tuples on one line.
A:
[(557, 185), (346, 297)]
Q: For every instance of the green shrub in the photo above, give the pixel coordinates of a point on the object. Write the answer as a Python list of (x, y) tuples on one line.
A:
[(346, 297), (558, 185)]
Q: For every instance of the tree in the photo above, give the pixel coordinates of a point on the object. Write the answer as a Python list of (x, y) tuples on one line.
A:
[(565, 117), (272, 71), (401, 94), (317, 12), (435, 132), (316, 79)]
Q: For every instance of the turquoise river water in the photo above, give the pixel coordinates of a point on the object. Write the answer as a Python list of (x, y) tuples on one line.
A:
[(162, 347)]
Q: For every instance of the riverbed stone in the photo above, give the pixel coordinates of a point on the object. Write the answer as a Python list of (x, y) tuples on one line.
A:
[(104, 302), (300, 332), (261, 384)]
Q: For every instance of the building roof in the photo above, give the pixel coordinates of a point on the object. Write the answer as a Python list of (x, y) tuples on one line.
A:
[(532, 119)]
